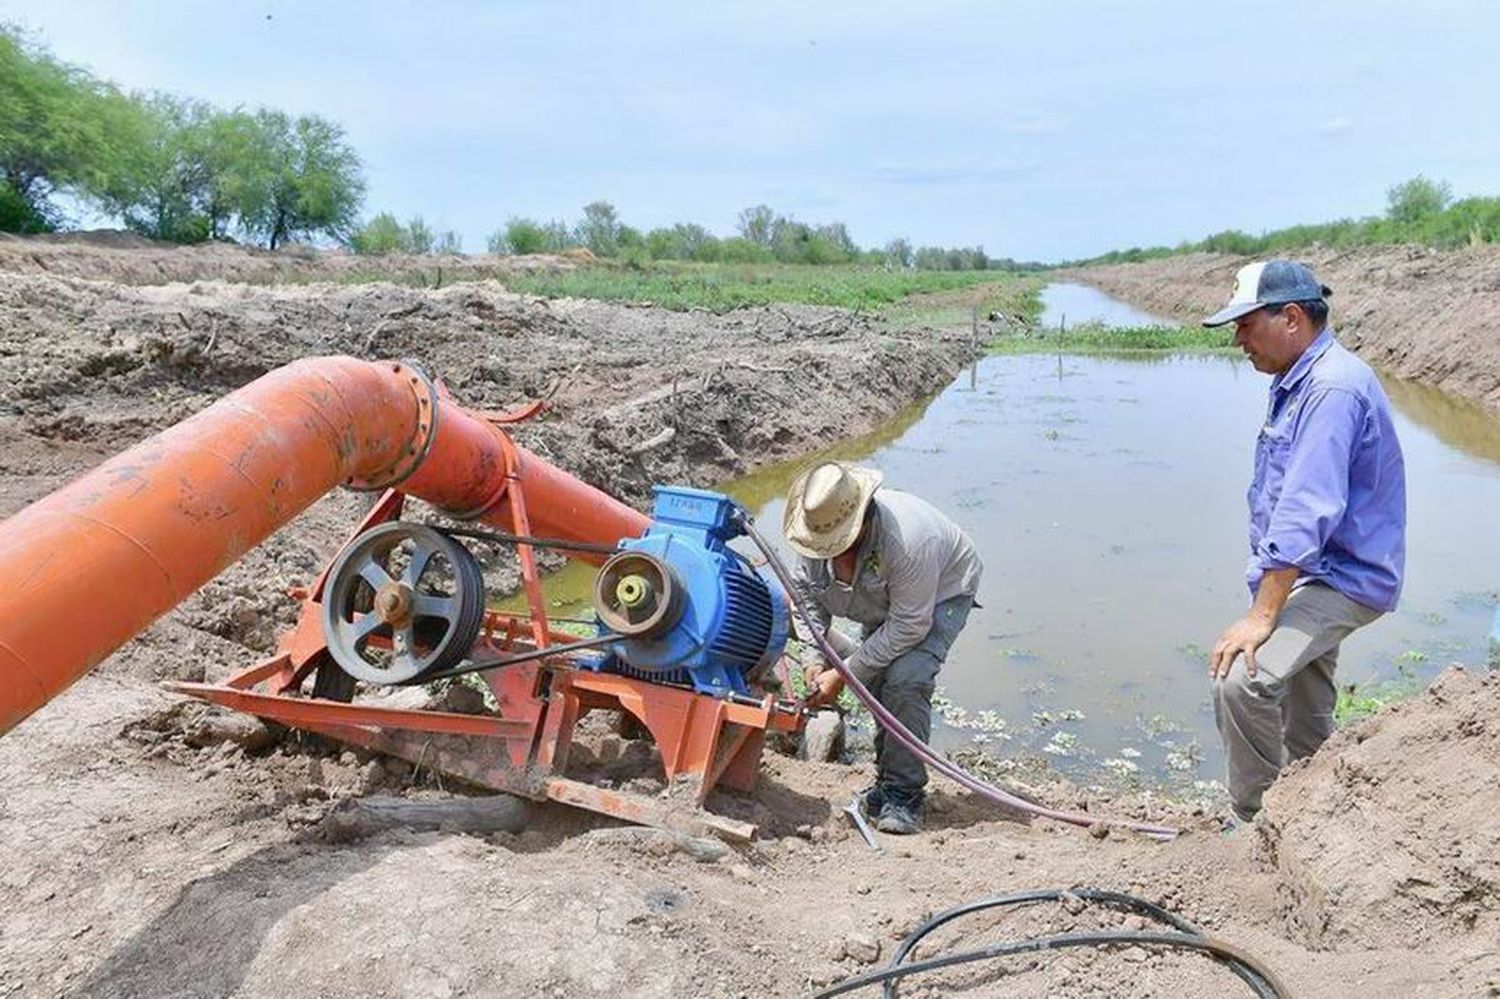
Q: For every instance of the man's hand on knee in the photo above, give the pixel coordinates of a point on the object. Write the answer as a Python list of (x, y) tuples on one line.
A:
[(1241, 638)]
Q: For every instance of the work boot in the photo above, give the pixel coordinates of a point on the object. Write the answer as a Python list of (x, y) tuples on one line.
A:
[(900, 818), (871, 800)]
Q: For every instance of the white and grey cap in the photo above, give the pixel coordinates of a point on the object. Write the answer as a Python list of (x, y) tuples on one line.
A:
[(1271, 282)]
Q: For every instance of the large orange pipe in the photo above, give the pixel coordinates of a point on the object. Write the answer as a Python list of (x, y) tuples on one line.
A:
[(90, 566)]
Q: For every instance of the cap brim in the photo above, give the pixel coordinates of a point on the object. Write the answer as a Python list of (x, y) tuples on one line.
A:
[(1230, 313)]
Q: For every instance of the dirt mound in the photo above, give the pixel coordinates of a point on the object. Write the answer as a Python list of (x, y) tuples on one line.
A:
[(127, 258), (1420, 314), (636, 396), (1390, 836)]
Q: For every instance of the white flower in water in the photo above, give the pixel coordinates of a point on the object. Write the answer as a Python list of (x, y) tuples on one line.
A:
[(1071, 714), (1062, 744), (1185, 758), (1122, 767), (1130, 752)]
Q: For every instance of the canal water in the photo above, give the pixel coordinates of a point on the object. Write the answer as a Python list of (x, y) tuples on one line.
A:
[(1106, 496), (1067, 304)]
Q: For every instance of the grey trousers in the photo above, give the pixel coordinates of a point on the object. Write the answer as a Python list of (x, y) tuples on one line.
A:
[(905, 688), (1285, 711)]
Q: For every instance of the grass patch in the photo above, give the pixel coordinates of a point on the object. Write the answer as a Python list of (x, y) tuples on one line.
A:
[(1015, 300), (1096, 338), (721, 287), (1360, 701)]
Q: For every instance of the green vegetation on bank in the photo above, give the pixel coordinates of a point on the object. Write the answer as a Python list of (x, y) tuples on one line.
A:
[(1097, 338), (720, 287), (1357, 702), (1418, 211)]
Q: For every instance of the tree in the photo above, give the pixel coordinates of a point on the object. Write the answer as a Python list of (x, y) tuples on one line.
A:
[(1417, 199), (898, 253), (557, 237), (755, 224), (382, 234), (165, 183), (55, 133), (448, 242), (693, 240), (302, 180), (599, 230), (419, 236), (836, 235), (520, 235)]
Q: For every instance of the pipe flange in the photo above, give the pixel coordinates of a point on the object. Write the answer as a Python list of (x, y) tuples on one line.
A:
[(416, 449)]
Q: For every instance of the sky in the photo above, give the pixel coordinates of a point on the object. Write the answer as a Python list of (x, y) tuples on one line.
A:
[(1039, 130)]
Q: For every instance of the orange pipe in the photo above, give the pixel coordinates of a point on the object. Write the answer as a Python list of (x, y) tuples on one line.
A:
[(94, 563)]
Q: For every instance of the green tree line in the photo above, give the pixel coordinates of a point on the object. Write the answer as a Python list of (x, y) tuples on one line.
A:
[(171, 169), (1419, 211), (762, 236), (185, 171)]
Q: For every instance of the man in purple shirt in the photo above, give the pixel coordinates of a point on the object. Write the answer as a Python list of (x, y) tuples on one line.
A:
[(1327, 528)]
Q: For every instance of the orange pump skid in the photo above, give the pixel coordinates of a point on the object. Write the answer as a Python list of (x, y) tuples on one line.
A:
[(97, 561)]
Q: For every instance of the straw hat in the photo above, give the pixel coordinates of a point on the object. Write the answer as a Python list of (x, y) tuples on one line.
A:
[(825, 508)]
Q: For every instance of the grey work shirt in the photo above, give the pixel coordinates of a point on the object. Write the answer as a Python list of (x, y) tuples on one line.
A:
[(913, 559)]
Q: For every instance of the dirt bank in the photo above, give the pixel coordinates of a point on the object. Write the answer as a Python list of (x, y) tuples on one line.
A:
[(1428, 316), (142, 859), (125, 258)]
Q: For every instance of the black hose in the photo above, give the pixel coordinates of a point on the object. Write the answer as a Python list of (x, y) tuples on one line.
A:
[(903, 735), (1262, 981)]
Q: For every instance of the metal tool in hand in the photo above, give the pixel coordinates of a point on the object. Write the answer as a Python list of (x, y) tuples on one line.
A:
[(857, 815)]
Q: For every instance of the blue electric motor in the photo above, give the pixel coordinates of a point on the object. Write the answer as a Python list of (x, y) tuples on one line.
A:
[(689, 609)]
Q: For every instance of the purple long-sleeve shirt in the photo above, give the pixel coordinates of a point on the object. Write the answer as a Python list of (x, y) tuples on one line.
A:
[(1329, 493)]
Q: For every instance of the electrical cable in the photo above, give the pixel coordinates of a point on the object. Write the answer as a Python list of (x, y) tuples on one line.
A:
[(903, 735), (1262, 981)]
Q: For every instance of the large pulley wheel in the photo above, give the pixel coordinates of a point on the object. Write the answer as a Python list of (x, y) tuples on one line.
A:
[(402, 601)]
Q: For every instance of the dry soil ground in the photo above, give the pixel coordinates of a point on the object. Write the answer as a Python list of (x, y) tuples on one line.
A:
[(143, 858)]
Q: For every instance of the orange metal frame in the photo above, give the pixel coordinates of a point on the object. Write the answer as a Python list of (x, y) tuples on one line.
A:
[(704, 742)]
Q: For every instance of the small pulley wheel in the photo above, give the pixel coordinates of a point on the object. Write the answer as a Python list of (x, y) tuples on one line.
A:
[(402, 601), (637, 595)]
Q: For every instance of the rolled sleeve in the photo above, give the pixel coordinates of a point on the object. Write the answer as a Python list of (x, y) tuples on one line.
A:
[(912, 589), (1315, 485)]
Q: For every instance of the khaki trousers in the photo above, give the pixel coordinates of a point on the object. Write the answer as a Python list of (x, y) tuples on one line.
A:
[(1285, 711)]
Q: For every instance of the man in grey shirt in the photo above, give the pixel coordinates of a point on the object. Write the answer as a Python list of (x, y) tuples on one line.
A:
[(908, 574)]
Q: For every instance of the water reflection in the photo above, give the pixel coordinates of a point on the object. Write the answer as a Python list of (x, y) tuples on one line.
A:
[(1459, 423)]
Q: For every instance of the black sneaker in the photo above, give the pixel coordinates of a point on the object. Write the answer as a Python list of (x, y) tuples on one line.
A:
[(872, 800), (899, 819)]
